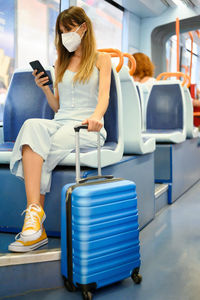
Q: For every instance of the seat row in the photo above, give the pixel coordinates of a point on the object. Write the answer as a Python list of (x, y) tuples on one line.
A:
[(135, 120)]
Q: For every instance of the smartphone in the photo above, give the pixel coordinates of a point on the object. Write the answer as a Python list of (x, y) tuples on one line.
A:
[(36, 65)]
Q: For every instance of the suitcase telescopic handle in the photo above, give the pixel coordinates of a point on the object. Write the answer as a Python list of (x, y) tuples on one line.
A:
[(77, 144)]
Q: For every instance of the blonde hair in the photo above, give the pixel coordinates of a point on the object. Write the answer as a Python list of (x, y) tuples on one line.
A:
[(144, 66), (71, 17)]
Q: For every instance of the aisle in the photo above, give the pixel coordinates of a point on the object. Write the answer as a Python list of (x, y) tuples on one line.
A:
[(170, 251)]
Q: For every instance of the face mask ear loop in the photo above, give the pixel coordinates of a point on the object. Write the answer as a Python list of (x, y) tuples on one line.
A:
[(78, 29)]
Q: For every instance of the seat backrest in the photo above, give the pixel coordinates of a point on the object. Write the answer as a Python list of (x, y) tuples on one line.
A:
[(111, 115), (112, 150), (24, 100), (131, 110), (143, 92), (189, 113), (165, 107)]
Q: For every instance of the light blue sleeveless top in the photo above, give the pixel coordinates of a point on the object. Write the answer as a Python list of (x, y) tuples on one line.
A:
[(77, 101)]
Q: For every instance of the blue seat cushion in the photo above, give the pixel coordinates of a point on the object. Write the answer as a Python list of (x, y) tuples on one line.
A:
[(7, 146)]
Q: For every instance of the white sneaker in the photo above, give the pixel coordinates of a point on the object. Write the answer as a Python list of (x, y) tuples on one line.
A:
[(34, 218), (23, 246)]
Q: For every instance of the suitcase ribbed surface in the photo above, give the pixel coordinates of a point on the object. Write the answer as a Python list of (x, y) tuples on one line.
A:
[(105, 236)]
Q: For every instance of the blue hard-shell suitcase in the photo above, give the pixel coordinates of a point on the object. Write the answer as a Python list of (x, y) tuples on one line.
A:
[(99, 232)]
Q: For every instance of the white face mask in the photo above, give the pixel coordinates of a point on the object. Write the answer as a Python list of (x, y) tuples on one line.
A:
[(71, 40)]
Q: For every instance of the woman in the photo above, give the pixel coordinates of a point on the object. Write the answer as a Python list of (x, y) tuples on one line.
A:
[(81, 96), (144, 69)]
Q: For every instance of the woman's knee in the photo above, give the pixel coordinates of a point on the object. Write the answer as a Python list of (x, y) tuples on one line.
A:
[(34, 127), (31, 123), (40, 126)]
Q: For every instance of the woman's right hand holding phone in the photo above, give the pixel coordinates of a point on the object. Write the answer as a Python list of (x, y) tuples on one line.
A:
[(52, 99), (40, 81)]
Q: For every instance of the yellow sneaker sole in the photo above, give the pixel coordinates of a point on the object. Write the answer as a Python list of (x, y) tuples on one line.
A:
[(18, 246)]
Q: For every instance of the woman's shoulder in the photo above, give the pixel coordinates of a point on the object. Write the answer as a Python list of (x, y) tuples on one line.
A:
[(148, 80)]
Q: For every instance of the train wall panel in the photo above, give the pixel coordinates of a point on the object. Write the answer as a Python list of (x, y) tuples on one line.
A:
[(178, 164)]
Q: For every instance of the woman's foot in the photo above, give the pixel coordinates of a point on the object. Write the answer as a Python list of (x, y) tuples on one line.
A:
[(34, 218), (23, 246)]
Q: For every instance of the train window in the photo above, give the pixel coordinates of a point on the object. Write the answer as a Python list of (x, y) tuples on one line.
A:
[(26, 33), (106, 18), (171, 54), (185, 56)]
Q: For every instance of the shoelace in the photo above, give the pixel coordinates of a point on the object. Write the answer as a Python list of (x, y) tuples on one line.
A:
[(30, 219), (31, 216)]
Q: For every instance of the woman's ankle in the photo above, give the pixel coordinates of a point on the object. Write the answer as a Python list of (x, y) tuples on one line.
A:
[(34, 203)]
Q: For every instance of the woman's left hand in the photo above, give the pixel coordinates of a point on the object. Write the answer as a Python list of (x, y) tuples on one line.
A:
[(93, 124)]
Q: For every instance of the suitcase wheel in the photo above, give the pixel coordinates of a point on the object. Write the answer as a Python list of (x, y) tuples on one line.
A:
[(87, 295), (137, 278), (69, 286)]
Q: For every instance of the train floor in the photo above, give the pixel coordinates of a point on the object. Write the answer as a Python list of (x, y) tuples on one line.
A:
[(170, 252)]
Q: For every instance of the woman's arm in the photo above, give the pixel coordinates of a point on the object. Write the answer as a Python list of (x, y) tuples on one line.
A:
[(104, 66), (53, 99)]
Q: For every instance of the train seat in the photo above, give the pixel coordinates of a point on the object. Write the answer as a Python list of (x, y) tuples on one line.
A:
[(113, 149), (134, 141), (25, 100), (191, 131), (166, 112)]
